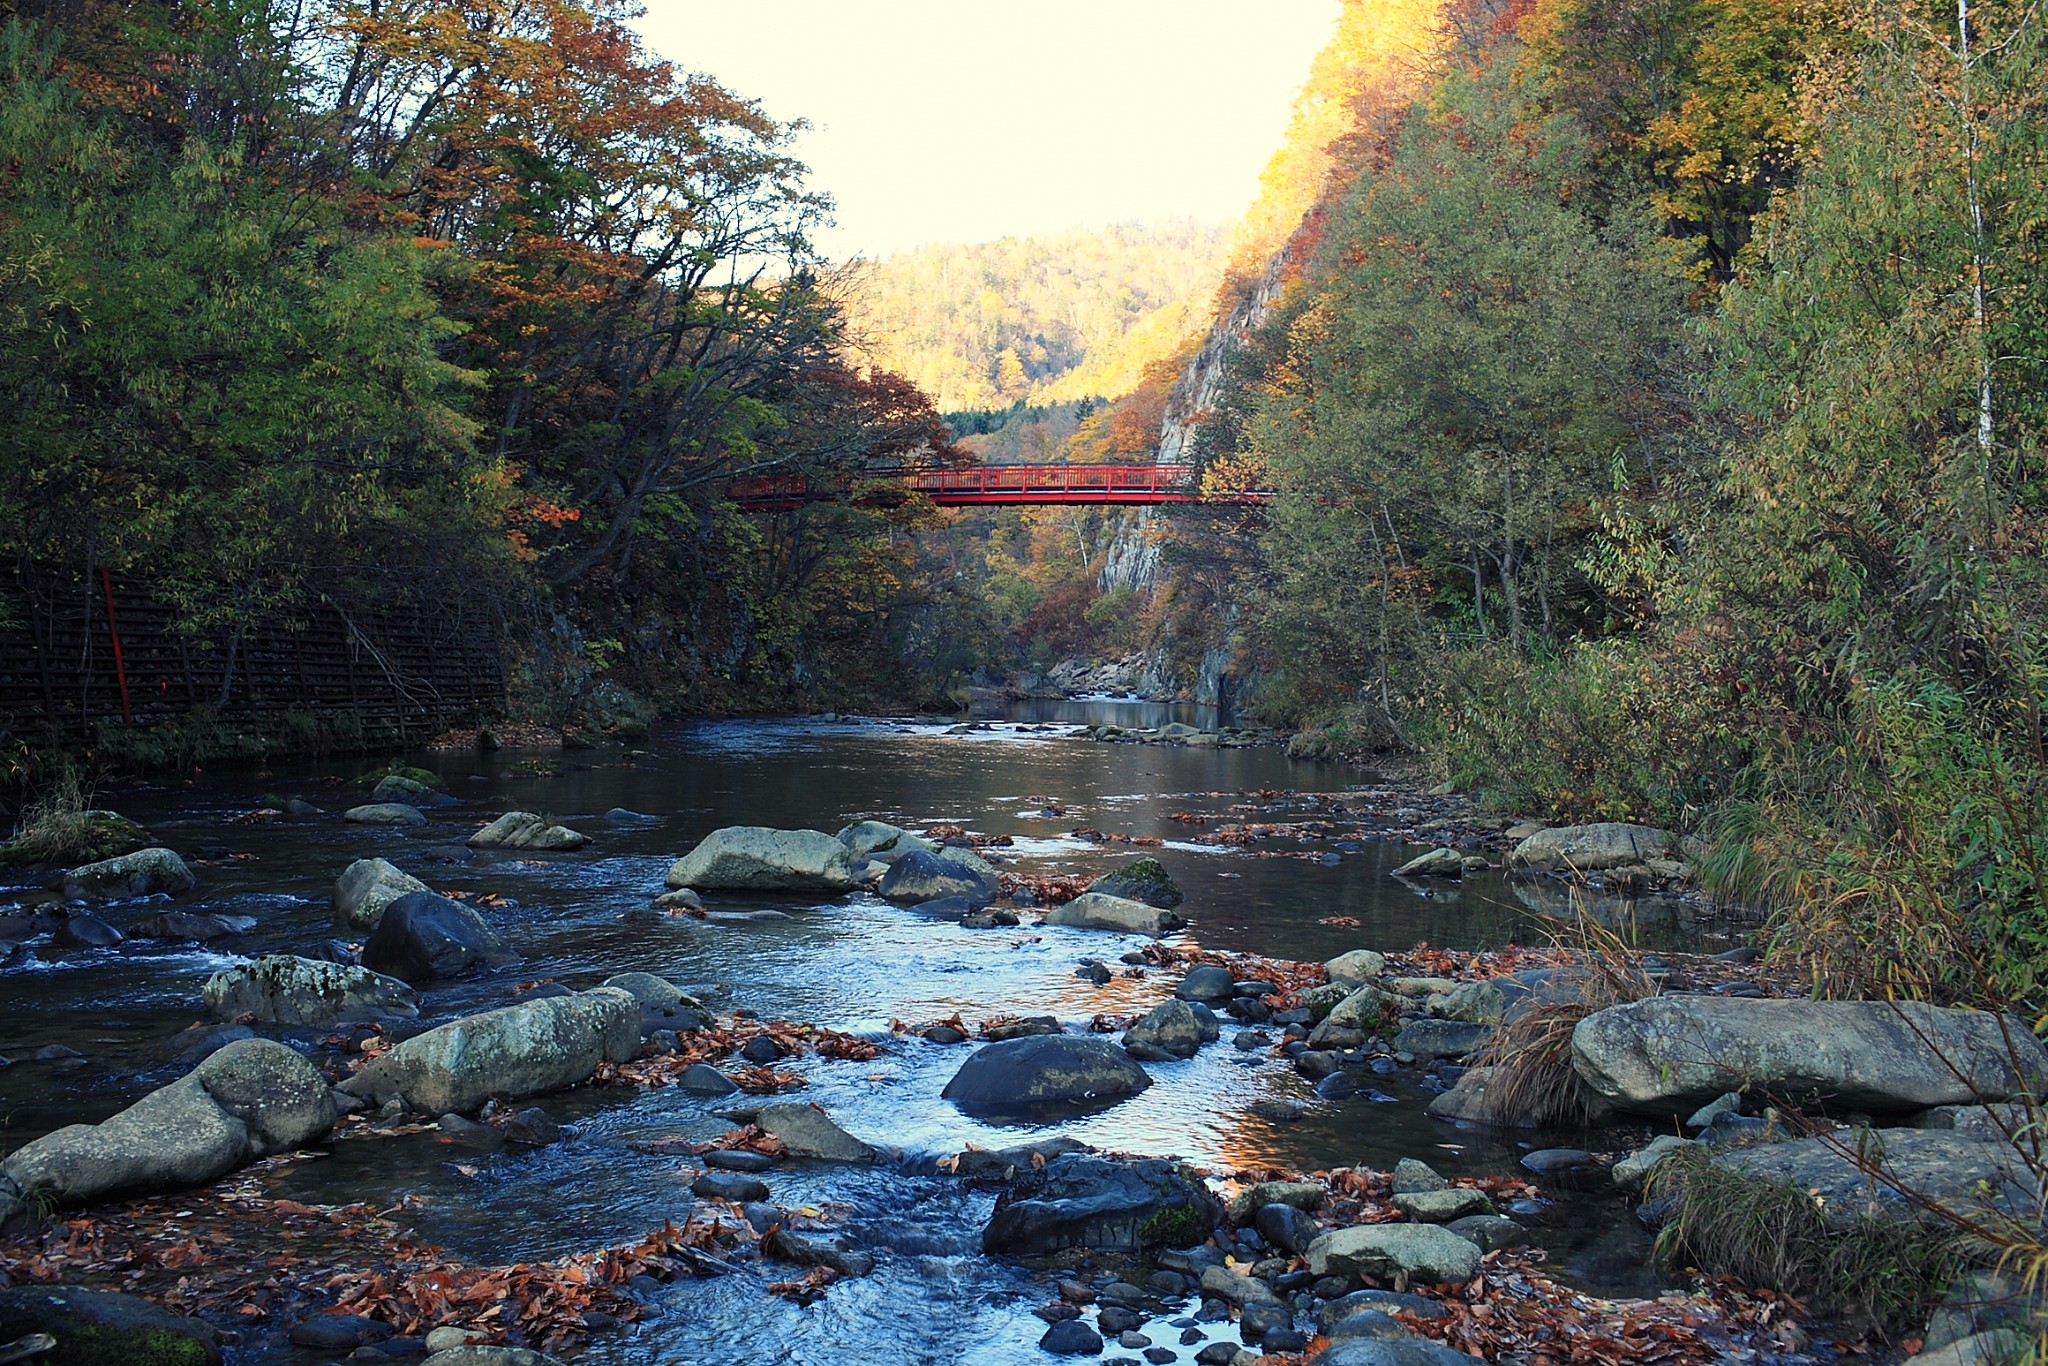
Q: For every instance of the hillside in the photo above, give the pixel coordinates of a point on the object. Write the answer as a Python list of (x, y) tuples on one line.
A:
[(1039, 319)]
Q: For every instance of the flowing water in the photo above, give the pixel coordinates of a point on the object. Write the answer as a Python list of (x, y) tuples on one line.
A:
[(853, 964)]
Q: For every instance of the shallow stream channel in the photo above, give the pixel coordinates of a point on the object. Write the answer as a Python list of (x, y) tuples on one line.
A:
[(853, 963)]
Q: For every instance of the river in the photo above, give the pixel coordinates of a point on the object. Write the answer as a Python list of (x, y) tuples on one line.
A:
[(854, 965)]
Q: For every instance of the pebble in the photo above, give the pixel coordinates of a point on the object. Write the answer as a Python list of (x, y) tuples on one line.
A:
[(944, 1034)]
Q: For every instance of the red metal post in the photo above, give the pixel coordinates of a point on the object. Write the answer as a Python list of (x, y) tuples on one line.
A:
[(114, 630)]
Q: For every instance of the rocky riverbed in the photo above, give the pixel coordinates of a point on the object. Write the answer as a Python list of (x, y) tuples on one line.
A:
[(984, 1070)]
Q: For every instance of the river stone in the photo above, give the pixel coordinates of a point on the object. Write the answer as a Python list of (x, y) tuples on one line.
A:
[(919, 876), (105, 1328), (1478, 1002), (1356, 968), (288, 990), (702, 1079), (396, 787), (807, 1131), (384, 813), (422, 937), (663, 1005), (510, 1053), (1168, 1030), (192, 928), (491, 1356), (1362, 1012), (1428, 1039), (1441, 1207), (247, 1100), (1206, 982), (279, 1097), (1632, 1171), (1670, 1054), (366, 887), (1145, 880), (1412, 1176), (1439, 862), (86, 930), (1097, 911), (1080, 1200), (1303, 1195), (1071, 1338), (1044, 1075), (881, 841), (1399, 1351), (1490, 1232), (1949, 1170), (1595, 848), (524, 830), (755, 858), (1422, 1252), (142, 873), (1221, 1283), (1285, 1227)]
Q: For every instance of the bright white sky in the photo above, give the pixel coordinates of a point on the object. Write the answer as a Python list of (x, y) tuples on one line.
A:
[(969, 120)]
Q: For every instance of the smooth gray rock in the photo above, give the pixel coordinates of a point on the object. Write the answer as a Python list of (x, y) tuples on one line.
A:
[(524, 830), (288, 990), (755, 858), (142, 873), (1490, 1232), (1411, 1176), (510, 1053), (247, 1100), (1439, 862), (1951, 1170), (1145, 880), (881, 841), (1671, 1054), (1444, 1206), (1302, 1195), (396, 787), (491, 1356), (1422, 1252), (1408, 1351), (1043, 1076), (1593, 848), (1442, 1038), (663, 1005), (366, 887), (384, 813), (1632, 1171), (1364, 1011), (1097, 911), (1356, 968), (1206, 982), (807, 1131)]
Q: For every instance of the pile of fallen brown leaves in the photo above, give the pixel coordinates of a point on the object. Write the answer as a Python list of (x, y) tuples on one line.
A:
[(725, 1038), (1094, 836), (1051, 889), (510, 735), (942, 833), (1290, 977)]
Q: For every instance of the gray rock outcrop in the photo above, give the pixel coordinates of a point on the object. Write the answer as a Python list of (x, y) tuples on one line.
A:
[(384, 813), (1080, 1200), (1607, 846), (755, 858), (142, 873), (917, 877), (524, 830), (366, 887), (509, 1053), (288, 990), (1044, 1076)]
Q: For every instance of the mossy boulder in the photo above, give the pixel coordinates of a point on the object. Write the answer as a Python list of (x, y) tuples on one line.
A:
[(1145, 880), (104, 1328)]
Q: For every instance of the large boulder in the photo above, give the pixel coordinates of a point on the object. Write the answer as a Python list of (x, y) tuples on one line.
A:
[(663, 1005), (104, 1328), (366, 887), (245, 1101), (1043, 1077), (755, 858), (509, 1053), (1145, 880), (524, 830), (1424, 1253), (918, 876), (142, 873), (1671, 1054), (423, 938), (1100, 911), (288, 990), (881, 842), (1603, 847), (1080, 1200), (1949, 1175)]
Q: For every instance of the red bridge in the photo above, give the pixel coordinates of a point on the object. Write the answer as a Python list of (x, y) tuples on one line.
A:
[(995, 486)]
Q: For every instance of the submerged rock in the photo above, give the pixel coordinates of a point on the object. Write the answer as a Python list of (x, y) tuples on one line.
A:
[(510, 1053), (1671, 1054), (384, 813), (919, 877), (755, 858), (1044, 1076), (105, 1327), (288, 990), (1080, 1200), (366, 887), (1098, 911), (524, 830), (142, 873), (807, 1131)]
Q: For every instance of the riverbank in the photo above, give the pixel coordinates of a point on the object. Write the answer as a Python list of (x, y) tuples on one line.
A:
[(1304, 879)]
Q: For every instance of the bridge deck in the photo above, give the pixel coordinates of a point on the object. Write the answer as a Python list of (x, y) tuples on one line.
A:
[(1005, 486)]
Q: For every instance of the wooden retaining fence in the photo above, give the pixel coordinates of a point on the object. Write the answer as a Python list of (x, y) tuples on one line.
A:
[(82, 656)]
